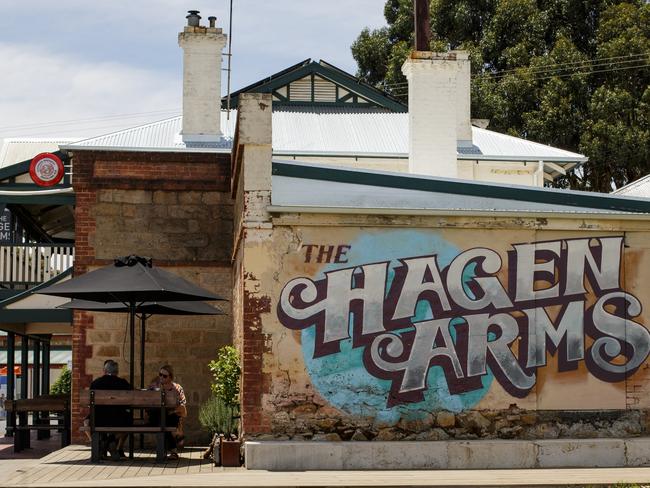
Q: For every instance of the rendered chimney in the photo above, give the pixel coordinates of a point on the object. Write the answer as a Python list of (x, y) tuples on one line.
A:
[(202, 48), (434, 108), (439, 102)]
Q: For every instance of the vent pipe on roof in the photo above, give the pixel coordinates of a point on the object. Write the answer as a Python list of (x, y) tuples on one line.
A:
[(213, 20), (202, 48), (193, 18)]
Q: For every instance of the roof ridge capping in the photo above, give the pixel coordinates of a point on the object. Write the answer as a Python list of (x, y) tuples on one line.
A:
[(572, 198)]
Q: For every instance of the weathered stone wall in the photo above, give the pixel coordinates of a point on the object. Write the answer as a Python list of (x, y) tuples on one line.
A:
[(177, 209), (312, 422)]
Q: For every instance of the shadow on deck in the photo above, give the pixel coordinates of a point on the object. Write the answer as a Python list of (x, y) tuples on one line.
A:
[(72, 464)]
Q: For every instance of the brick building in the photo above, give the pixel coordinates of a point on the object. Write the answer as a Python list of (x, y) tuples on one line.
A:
[(317, 176)]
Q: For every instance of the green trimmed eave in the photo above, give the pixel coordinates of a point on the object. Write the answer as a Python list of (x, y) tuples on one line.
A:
[(26, 315), (327, 71), (25, 293), (35, 197), (458, 187), (19, 169)]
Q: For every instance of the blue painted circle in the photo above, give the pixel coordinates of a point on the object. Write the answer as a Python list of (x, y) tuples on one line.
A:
[(342, 378)]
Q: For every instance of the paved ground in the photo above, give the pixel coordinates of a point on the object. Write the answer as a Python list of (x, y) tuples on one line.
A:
[(71, 467)]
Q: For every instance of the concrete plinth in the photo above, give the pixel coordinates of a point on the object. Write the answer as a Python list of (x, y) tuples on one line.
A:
[(479, 454)]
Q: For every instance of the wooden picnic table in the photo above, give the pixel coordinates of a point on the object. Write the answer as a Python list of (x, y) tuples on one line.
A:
[(44, 409), (143, 399)]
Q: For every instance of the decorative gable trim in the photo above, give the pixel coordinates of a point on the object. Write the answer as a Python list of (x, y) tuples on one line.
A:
[(319, 84)]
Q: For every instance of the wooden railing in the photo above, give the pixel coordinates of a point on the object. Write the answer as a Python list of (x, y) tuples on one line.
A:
[(27, 264)]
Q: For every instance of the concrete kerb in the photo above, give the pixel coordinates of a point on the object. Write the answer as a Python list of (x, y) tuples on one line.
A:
[(478, 454)]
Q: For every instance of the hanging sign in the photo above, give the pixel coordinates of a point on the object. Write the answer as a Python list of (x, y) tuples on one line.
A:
[(6, 233), (46, 169)]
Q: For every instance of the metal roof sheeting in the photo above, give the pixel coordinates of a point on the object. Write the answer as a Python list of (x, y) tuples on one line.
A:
[(333, 131), (638, 188), (18, 149)]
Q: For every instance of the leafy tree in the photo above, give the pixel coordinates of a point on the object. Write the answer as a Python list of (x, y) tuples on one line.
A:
[(570, 73), (63, 383)]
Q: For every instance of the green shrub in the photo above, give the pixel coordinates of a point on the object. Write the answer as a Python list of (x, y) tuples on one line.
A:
[(63, 384), (226, 372), (220, 414), (218, 417)]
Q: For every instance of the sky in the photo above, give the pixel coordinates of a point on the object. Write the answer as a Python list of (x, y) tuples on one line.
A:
[(80, 68)]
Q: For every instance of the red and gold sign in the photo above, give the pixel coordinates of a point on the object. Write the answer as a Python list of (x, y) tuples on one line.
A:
[(46, 169)]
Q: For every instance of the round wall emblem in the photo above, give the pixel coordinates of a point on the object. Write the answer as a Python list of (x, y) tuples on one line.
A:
[(46, 169)]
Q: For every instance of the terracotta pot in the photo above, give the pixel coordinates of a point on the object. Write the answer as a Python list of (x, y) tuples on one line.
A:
[(230, 453)]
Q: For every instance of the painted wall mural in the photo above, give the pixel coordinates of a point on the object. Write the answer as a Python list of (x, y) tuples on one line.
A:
[(397, 323)]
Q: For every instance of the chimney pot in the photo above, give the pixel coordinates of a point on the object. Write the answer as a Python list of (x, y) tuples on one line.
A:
[(213, 21), (193, 18)]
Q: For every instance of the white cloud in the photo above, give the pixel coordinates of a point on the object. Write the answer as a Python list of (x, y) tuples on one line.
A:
[(40, 86), (77, 59)]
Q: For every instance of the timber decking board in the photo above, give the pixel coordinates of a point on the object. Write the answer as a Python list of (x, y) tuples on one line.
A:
[(72, 464)]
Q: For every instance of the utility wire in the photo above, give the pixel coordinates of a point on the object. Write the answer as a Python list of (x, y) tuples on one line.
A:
[(403, 87), (404, 91), (586, 61), (558, 67), (542, 70), (90, 119)]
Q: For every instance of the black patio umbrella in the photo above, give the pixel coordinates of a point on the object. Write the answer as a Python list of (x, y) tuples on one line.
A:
[(145, 310), (132, 281)]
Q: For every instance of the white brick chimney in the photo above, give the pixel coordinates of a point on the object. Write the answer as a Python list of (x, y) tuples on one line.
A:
[(439, 110), (202, 48)]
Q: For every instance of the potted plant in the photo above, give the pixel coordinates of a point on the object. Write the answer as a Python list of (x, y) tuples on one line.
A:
[(225, 404), (217, 419)]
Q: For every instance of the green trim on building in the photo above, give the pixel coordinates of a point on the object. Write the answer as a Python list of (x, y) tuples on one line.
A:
[(26, 315), (45, 199), (26, 293), (307, 68), (517, 193), (22, 168)]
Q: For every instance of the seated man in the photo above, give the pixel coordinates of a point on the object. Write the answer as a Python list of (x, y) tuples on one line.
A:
[(112, 416)]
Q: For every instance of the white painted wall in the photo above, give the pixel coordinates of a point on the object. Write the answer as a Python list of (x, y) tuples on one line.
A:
[(506, 172)]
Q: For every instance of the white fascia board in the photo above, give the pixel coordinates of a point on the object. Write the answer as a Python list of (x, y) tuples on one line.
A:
[(464, 157), (219, 150), (291, 209), (524, 159), (56, 191)]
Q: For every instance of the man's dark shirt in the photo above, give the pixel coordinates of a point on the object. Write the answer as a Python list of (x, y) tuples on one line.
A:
[(111, 416)]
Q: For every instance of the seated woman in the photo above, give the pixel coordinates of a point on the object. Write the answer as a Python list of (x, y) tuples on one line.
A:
[(174, 415)]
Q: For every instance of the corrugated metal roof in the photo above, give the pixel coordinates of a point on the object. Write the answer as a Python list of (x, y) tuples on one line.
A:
[(17, 149), (638, 188), (332, 131)]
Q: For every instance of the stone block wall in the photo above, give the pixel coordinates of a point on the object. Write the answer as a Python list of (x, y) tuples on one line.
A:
[(177, 209)]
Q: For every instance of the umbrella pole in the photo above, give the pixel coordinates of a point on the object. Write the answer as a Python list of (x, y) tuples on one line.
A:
[(143, 327), (131, 364)]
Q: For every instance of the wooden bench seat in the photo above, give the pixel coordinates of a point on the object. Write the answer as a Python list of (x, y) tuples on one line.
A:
[(148, 399), (44, 409)]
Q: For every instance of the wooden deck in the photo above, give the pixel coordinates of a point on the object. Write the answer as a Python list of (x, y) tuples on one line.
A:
[(72, 464)]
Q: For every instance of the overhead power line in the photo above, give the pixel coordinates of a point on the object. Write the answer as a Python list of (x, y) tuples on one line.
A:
[(543, 74), (546, 70), (89, 119)]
